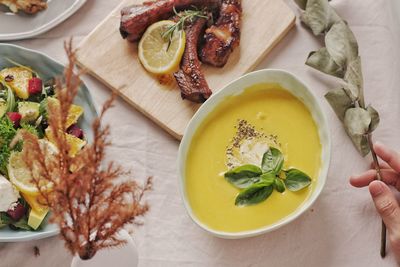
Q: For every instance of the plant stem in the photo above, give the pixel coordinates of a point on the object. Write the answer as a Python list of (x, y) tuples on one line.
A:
[(379, 177)]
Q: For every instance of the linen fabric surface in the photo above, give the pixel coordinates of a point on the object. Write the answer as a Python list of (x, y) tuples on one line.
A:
[(342, 227)]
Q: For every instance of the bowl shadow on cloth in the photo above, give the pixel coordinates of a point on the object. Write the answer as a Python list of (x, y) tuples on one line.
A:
[(285, 246)]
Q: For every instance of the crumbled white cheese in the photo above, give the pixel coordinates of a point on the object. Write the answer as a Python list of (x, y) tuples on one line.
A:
[(8, 194), (251, 152)]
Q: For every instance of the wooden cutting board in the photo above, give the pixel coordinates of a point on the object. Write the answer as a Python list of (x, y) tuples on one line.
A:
[(114, 61)]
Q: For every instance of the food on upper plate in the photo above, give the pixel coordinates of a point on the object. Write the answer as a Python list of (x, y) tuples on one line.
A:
[(192, 16), (24, 100), (136, 18), (190, 78), (265, 123), (27, 6), (224, 36)]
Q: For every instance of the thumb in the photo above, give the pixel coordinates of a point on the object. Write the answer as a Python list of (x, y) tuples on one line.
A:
[(389, 209), (386, 204)]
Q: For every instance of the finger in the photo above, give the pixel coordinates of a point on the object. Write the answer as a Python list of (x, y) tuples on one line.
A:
[(382, 165), (389, 176), (390, 156), (386, 204)]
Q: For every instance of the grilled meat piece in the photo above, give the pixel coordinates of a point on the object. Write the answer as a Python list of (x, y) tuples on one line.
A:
[(27, 6), (190, 78), (136, 18), (223, 37)]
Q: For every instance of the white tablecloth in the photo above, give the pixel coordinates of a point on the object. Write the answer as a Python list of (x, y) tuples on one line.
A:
[(342, 228)]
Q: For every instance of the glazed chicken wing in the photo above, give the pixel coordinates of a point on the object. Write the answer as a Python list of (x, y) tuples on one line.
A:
[(190, 78), (136, 18), (223, 37)]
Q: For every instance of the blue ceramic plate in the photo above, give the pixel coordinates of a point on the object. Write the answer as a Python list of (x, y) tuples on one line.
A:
[(47, 68)]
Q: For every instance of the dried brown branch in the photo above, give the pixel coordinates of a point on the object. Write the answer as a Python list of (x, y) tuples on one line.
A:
[(86, 199)]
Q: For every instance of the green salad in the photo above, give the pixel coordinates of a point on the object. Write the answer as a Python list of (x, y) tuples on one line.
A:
[(24, 98)]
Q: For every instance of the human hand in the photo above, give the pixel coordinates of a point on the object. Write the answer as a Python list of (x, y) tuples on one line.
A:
[(385, 201)]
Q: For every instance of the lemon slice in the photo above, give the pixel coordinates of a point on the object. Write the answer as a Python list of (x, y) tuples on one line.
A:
[(20, 175), (155, 52), (74, 113), (18, 80), (75, 144)]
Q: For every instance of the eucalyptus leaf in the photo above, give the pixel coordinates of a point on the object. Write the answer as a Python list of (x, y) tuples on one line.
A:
[(279, 185), (254, 194), (357, 121), (360, 141), (341, 44), (322, 61), (374, 119), (354, 77), (243, 176), (319, 16), (301, 3), (272, 160), (268, 178), (296, 180), (352, 90), (340, 101)]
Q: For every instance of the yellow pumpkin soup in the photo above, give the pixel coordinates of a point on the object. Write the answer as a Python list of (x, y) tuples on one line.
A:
[(239, 131)]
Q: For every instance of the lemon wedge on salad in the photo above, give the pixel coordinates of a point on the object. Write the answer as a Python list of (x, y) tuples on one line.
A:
[(36, 218), (20, 174), (75, 144), (159, 54), (74, 113), (18, 80)]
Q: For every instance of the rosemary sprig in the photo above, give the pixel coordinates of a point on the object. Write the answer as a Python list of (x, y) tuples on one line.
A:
[(184, 16)]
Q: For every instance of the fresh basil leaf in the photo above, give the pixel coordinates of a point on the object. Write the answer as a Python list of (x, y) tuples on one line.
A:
[(268, 178), (296, 180), (243, 176), (254, 194), (357, 121), (374, 119), (272, 160), (341, 44), (340, 101), (279, 185), (319, 16), (322, 61)]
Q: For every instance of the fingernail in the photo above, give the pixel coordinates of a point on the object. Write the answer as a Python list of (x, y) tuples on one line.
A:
[(376, 188)]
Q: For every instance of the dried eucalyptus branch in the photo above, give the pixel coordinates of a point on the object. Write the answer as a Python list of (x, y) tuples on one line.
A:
[(340, 58)]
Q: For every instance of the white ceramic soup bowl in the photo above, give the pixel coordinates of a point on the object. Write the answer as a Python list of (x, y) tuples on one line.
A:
[(295, 87)]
